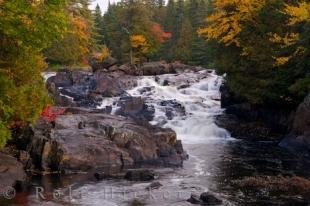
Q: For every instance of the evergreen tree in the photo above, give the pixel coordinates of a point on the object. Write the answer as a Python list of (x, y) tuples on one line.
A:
[(261, 45), (184, 42), (77, 42), (99, 26), (198, 10)]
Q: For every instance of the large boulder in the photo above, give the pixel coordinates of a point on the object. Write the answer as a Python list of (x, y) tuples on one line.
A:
[(156, 68), (101, 142), (253, 122), (182, 80), (173, 108), (131, 70), (107, 86), (206, 198), (100, 65), (63, 78), (11, 171), (86, 89), (136, 108), (140, 175), (177, 67), (299, 137)]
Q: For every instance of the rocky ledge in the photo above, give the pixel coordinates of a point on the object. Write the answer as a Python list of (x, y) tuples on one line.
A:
[(11, 172), (87, 141), (289, 127), (299, 137)]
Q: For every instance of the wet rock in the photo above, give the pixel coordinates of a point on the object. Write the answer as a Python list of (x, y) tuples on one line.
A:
[(85, 89), (206, 198), (100, 65), (107, 86), (82, 78), (63, 78), (100, 176), (173, 108), (146, 90), (140, 175), (194, 199), (276, 187), (74, 93), (156, 68), (181, 80), (81, 110), (82, 141), (131, 70), (137, 202), (228, 98), (135, 108), (154, 185), (255, 122), (11, 171), (179, 147), (241, 129), (210, 199), (24, 158), (299, 138), (183, 68), (113, 68)]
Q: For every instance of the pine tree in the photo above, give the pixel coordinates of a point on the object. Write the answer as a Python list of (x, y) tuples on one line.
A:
[(198, 10), (184, 42), (77, 42), (262, 50), (99, 26)]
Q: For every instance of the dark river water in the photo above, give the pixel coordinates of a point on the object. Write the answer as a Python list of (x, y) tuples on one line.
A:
[(215, 161)]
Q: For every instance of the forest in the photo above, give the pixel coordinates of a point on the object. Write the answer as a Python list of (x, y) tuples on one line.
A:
[(262, 46)]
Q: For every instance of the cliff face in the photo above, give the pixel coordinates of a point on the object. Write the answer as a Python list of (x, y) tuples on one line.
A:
[(299, 137), (255, 122)]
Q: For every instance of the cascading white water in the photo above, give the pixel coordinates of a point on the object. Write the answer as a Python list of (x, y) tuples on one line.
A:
[(214, 160), (201, 103)]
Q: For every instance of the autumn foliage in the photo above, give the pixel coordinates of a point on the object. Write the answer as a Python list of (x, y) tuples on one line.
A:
[(27, 28), (263, 47), (50, 113), (159, 34)]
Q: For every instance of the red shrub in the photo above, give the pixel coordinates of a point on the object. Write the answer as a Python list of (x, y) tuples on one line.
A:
[(160, 35), (50, 113)]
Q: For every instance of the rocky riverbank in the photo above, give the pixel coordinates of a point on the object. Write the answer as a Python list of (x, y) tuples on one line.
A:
[(87, 136), (289, 127)]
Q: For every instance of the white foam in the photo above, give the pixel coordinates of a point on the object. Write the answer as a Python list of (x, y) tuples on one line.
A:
[(201, 102), (47, 75)]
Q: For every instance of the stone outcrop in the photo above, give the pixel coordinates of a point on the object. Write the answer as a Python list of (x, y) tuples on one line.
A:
[(100, 65), (140, 175), (205, 198), (90, 141), (86, 89), (156, 68), (136, 108), (11, 172), (299, 137), (252, 122)]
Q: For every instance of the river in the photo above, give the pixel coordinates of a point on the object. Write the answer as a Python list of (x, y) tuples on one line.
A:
[(215, 161)]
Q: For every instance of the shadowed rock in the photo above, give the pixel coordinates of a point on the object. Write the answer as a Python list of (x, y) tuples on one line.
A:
[(11, 171), (83, 141)]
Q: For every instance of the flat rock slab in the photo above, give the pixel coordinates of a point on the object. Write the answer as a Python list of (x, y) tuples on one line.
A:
[(11, 171), (101, 142)]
